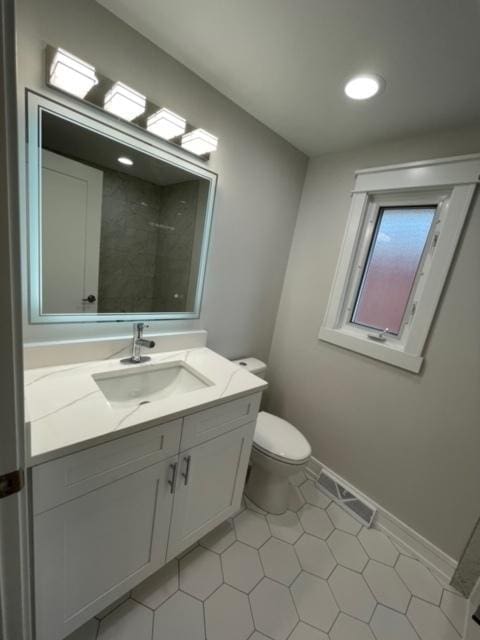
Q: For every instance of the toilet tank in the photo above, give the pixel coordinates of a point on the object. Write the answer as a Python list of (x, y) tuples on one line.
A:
[(253, 365)]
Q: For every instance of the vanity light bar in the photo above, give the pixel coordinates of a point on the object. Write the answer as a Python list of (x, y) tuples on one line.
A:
[(71, 74), (76, 77), (125, 102), (199, 142), (166, 124)]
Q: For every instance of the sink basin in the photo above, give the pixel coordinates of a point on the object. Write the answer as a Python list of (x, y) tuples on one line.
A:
[(133, 387)]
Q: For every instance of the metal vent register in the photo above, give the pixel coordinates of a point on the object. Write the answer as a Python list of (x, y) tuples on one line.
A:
[(359, 508)]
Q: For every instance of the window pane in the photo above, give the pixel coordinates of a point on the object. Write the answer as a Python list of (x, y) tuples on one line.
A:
[(393, 260)]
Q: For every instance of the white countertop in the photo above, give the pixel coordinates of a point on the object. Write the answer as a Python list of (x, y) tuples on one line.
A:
[(66, 411)]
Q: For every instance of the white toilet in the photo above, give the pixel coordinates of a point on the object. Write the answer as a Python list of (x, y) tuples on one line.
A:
[(279, 451)]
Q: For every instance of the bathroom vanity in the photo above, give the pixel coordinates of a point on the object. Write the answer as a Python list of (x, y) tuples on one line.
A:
[(126, 476)]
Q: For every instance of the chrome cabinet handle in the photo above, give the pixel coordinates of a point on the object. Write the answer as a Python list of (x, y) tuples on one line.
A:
[(186, 473), (171, 481), (91, 298)]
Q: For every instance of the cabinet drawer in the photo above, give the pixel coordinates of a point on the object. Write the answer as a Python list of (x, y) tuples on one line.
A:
[(72, 476), (204, 425)]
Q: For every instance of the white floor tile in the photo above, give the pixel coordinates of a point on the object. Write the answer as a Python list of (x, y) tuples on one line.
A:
[(279, 561), (305, 632), (430, 622), (227, 615), (251, 528), (378, 546), (315, 521), (181, 616), (156, 589), (454, 606), (129, 620), (386, 586), (286, 526), (241, 567), (419, 579), (298, 478), (347, 628), (200, 573), (352, 593), (347, 550), (220, 538), (390, 625), (314, 601), (315, 556), (313, 495), (273, 610), (343, 520)]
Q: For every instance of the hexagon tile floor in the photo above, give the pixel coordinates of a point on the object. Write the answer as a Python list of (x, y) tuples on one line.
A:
[(311, 574)]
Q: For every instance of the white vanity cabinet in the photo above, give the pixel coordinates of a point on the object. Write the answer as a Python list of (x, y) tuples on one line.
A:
[(108, 517)]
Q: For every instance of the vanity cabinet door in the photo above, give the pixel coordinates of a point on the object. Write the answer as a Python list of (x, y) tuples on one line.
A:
[(92, 549), (209, 486)]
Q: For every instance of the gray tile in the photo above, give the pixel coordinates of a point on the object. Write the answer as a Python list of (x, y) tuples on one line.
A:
[(315, 521), (347, 628), (200, 573), (454, 606), (153, 591), (256, 635), (313, 495), (378, 546), (386, 586), (315, 556), (220, 538), (305, 632), (314, 601), (430, 622), (298, 478), (391, 625), (419, 579), (279, 561), (347, 550), (352, 593), (286, 526), (251, 528), (343, 520), (129, 620), (241, 566), (273, 610), (227, 615), (112, 606), (181, 616)]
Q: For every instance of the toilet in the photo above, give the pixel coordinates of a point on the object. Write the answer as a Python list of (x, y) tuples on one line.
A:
[(279, 451)]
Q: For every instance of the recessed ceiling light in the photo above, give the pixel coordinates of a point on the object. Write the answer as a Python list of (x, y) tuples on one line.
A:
[(125, 160), (364, 86)]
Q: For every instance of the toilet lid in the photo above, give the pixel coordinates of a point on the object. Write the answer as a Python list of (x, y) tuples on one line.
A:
[(279, 438)]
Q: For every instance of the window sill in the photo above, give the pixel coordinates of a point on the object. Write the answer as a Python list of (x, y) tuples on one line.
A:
[(378, 351)]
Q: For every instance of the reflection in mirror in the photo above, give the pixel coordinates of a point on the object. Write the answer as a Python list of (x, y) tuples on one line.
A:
[(121, 231)]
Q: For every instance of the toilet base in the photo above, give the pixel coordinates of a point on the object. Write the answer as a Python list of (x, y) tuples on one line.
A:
[(267, 490)]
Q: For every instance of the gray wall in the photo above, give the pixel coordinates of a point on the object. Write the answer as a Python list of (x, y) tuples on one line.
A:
[(410, 442), (260, 175)]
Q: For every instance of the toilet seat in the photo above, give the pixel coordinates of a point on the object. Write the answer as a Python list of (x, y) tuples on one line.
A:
[(280, 440)]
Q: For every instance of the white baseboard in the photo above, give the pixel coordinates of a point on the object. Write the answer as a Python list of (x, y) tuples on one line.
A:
[(404, 536)]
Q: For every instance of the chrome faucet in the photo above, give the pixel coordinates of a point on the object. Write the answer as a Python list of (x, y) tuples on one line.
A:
[(138, 342)]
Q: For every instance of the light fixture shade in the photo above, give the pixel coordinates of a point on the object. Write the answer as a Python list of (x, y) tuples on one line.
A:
[(199, 142), (124, 102), (166, 124), (70, 74)]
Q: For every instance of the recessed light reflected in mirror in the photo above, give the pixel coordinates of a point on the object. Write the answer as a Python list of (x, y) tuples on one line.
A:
[(363, 87), (125, 160)]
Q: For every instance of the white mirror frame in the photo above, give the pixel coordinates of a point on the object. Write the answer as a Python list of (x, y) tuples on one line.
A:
[(143, 142)]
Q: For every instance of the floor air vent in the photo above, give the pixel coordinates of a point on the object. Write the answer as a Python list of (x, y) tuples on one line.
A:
[(358, 507)]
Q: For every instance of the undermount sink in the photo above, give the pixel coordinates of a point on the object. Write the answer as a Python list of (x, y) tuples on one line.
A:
[(151, 383)]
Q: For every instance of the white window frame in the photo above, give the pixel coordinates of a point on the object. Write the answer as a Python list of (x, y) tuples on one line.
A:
[(448, 183)]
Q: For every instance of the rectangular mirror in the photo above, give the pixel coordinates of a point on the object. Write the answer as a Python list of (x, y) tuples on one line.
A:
[(118, 226)]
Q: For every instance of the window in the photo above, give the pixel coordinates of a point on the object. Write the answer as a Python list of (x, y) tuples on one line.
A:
[(402, 232)]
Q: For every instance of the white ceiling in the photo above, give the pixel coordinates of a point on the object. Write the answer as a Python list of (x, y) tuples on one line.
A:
[(286, 61)]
